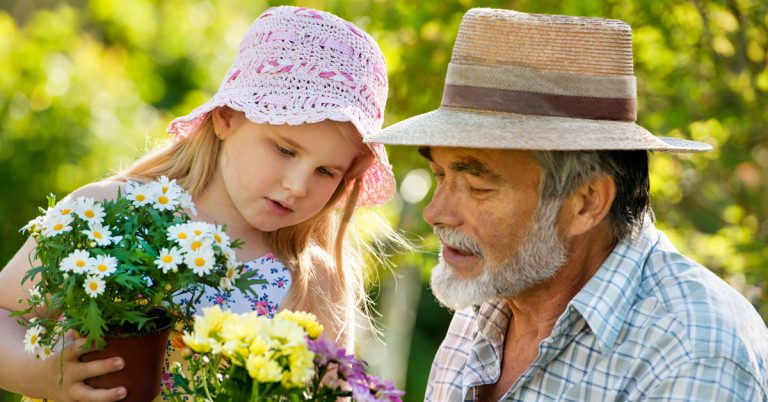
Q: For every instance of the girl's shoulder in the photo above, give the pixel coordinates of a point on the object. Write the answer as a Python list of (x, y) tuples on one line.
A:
[(106, 189)]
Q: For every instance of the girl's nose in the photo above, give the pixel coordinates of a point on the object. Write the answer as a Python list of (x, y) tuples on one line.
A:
[(296, 182)]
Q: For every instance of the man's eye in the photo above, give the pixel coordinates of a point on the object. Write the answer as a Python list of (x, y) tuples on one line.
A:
[(285, 151), (480, 190)]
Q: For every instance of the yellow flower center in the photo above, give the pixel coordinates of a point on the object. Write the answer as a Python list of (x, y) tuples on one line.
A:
[(66, 211), (165, 189), (167, 259), (217, 238), (162, 199), (58, 226), (93, 286), (182, 235), (196, 245), (33, 339), (97, 235), (89, 213), (230, 273), (199, 261), (140, 197), (102, 267), (80, 263)]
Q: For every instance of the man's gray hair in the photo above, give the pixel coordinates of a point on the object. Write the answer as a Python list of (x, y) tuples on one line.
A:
[(564, 171)]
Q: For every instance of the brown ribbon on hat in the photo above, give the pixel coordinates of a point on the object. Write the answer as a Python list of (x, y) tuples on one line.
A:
[(502, 100), (530, 91)]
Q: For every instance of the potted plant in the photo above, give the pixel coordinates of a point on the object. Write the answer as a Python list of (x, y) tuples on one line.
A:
[(110, 270)]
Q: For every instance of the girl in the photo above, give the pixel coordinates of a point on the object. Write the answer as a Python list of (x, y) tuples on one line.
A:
[(277, 155)]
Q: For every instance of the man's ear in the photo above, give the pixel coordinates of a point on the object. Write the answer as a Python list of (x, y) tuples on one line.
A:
[(224, 121), (588, 205)]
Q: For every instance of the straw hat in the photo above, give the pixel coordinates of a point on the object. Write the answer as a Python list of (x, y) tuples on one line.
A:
[(538, 82)]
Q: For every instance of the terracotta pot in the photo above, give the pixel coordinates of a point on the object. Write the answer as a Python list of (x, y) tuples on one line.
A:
[(144, 355)]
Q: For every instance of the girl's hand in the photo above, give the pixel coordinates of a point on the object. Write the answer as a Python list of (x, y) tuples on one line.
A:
[(71, 387)]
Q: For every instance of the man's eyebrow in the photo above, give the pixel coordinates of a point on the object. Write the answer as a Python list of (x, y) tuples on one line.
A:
[(474, 167), (425, 153)]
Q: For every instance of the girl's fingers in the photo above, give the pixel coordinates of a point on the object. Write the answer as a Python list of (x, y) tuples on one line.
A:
[(84, 393), (96, 368)]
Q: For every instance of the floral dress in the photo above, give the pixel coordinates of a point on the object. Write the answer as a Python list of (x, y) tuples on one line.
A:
[(270, 298)]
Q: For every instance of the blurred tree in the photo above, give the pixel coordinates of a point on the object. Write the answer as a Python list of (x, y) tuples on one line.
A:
[(88, 86)]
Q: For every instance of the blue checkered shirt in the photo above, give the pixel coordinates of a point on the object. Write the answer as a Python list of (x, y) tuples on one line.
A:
[(650, 325)]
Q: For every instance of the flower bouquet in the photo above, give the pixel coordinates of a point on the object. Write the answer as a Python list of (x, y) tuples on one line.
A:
[(114, 267), (247, 357)]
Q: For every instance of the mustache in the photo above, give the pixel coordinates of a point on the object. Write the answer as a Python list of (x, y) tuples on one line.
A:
[(458, 240)]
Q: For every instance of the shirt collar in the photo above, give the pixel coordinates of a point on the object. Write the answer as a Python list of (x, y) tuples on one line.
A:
[(605, 301)]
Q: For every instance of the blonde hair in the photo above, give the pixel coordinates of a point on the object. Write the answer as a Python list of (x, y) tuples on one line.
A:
[(317, 242)]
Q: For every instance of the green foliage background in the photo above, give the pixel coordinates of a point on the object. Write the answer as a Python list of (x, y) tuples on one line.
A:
[(87, 86)]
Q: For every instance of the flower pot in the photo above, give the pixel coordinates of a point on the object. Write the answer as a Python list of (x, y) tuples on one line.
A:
[(144, 355)]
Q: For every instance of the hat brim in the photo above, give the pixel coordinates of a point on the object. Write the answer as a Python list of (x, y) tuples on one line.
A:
[(378, 181), (479, 129)]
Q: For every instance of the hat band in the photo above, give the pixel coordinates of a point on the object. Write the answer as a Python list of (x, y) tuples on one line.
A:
[(512, 101)]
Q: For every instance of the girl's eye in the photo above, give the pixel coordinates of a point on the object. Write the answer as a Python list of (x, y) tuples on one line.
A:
[(325, 172), (284, 151)]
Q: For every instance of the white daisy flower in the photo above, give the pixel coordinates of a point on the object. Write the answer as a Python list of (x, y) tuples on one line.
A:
[(56, 225), (179, 233), (197, 244), (32, 339), (169, 260), (90, 210), (220, 237), (168, 187), (185, 201), (231, 257), (164, 202), (33, 226), (233, 273), (64, 208), (225, 284), (200, 261), (44, 352), (34, 292), (200, 229), (104, 265), (102, 235), (94, 286), (78, 262), (140, 194)]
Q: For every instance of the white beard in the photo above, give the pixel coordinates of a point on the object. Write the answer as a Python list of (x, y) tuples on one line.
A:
[(537, 260)]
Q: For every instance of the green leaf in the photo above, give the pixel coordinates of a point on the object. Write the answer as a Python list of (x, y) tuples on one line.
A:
[(94, 325)]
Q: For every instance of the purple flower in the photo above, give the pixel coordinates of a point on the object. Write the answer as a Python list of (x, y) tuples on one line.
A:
[(328, 352), (373, 389)]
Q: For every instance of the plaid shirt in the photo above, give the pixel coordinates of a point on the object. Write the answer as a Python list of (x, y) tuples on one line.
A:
[(650, 325)]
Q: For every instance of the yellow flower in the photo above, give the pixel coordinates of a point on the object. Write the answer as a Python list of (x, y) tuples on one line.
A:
[(302, 368), (263, 369), (207, 329), (284, 334), (236, 335), (308, 321)]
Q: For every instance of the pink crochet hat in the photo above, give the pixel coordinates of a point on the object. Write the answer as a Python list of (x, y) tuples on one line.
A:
[(299, 65)]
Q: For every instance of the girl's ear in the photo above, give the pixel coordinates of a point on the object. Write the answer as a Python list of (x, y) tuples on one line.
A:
[(588, 205), (225, 120)]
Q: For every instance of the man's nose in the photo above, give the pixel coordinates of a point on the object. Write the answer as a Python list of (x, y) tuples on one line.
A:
[(443, 209)]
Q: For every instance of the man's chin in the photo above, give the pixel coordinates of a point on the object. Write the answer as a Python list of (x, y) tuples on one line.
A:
[(454, 292)]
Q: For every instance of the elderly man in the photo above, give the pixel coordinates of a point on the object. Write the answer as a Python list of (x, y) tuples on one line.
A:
[(563, 287)]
